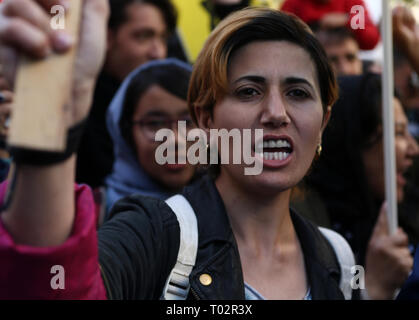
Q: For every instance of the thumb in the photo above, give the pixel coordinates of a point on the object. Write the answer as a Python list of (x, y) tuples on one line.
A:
[(93, 34)]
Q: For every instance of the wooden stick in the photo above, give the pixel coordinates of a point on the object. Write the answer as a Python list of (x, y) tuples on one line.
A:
[(42, 88), (388, 118)]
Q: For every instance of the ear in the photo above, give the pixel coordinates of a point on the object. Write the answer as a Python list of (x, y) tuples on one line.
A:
[(204, 118), (326, 118)]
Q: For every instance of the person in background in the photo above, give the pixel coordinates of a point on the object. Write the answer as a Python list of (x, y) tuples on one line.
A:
[(138, 32), (342, 49), (406, 35), (331, 14), (349, 179), (152, 98), (406, 79)]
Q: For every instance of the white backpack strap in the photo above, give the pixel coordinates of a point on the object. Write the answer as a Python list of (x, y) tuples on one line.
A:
[(177, 284), (345, 258)]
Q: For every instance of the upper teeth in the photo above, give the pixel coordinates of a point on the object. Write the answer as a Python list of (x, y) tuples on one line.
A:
[(274, 144)]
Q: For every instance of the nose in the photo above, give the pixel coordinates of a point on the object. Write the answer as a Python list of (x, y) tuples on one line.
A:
[(413, 147), (344, 67), (158, 49), (275, 111)]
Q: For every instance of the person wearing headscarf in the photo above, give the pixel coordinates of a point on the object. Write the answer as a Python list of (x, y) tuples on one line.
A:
[(152, 97)]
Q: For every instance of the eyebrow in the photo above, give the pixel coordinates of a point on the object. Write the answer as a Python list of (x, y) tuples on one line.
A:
[(286, 81), (257, 79), (297, 80)]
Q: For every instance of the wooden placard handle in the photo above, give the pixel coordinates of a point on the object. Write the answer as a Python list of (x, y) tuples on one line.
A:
[(41, 90)]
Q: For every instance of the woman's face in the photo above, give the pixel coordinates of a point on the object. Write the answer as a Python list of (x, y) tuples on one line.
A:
[(154, 109), (406, 149), (272, 86)]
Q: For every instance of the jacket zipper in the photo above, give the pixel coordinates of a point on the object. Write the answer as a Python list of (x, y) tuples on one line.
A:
[(194, 294)]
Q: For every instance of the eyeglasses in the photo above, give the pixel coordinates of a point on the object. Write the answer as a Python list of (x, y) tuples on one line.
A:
[(150, 126)]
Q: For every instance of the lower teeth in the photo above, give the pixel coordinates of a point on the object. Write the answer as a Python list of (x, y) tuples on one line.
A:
[(275, 155)]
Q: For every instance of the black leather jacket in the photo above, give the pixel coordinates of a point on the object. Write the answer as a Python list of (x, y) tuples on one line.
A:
[(138, 248)]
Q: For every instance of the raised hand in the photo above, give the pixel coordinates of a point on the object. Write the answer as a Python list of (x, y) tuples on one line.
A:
[(388, 261), (42, 210), (25, 28)]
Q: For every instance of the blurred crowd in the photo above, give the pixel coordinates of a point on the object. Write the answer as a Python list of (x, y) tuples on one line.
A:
[(345, 187)]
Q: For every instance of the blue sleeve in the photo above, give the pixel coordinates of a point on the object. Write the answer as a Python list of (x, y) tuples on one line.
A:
[(410, 290)]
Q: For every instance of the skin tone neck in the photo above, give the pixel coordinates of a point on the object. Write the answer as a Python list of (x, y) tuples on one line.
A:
[(268, 245), (262, 225)]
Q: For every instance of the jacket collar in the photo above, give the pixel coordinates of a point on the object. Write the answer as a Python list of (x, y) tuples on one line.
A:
[(209, 208), (219, 257)]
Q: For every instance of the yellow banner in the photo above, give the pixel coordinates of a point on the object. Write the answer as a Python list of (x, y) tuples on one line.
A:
[(194, 23)]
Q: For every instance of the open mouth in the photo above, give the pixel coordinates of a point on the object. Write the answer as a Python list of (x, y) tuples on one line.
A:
[(400, 176), (275, 148)]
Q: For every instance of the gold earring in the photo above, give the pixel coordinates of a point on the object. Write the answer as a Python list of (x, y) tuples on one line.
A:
[(319, 149)]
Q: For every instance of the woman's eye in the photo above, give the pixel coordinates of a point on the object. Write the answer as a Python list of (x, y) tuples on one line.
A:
[(247, 92), (298, 93)]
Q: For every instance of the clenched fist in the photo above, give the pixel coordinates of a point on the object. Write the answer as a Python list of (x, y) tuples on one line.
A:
[(25, 28)]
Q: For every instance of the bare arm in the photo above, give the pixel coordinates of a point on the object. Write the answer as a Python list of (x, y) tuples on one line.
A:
[(42, 209)]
